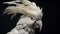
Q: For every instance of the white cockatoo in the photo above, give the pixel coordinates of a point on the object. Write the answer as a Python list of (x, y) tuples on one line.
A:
[(31, 14)]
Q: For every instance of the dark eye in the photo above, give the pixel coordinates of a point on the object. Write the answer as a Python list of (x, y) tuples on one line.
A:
[(32, 18)]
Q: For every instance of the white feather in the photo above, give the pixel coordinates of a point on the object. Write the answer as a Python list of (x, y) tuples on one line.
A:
[(28, 9)]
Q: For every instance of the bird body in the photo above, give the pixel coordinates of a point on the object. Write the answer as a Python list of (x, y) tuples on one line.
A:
[(31, 14)]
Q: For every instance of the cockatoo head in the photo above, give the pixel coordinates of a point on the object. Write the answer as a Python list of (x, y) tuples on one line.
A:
[(27, 8)]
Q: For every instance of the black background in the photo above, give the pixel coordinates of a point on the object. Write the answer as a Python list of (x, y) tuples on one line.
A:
[(50, 18)]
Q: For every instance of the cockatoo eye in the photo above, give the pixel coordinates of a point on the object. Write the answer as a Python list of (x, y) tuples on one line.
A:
[(32, 18)]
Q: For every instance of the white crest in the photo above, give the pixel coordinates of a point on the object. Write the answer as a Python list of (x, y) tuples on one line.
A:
[(28, 9)]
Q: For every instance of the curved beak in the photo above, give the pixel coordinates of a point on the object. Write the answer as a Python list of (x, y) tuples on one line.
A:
[(39, 22)]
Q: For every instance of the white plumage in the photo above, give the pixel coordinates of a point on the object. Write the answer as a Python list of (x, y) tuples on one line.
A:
[(29, 10)]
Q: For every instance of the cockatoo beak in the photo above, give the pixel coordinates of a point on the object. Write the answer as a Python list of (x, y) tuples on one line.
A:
[(39, 22)]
